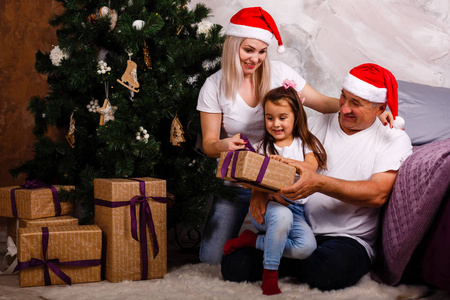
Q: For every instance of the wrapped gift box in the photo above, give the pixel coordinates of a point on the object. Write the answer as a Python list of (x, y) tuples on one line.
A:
[(123, 258), (14, 224), (273, 176), (32, 203), (70, 244)]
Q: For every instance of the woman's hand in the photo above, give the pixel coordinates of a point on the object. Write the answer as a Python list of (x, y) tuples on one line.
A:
[(212, 144), (387, 117), (232, 143)]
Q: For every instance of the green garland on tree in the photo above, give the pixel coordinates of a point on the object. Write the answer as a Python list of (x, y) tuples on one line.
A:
[(174, 50)]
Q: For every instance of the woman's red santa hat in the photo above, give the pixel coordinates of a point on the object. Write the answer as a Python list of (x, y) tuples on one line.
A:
[(375, 84), (255, 23)]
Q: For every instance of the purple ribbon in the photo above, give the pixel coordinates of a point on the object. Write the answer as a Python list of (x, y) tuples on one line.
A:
[(145, 218), (228, 160), (31, 185), (52, 263)]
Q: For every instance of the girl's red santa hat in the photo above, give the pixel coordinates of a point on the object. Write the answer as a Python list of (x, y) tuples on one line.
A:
[(255, 23), (375, 84)]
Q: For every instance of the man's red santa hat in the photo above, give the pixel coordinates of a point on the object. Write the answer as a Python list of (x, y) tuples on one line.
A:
[(255, 23), (375, 84)]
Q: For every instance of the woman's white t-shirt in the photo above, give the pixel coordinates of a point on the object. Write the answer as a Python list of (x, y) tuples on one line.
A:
[(237, 115)]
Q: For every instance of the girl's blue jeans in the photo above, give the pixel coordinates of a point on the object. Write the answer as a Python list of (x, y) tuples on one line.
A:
[(285, 233)]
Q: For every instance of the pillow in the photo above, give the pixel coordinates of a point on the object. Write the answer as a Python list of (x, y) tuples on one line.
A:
[(426, 110)]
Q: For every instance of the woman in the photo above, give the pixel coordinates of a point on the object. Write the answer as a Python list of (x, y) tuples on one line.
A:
[(229, 103)]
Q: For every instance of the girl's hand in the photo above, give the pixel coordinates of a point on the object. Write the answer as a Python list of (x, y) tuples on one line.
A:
[(291, 162), (258, 204), (387, 117), (283, 159)]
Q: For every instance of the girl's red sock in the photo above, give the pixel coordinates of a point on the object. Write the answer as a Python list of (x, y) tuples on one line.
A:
[(247, 239), (270, 282)]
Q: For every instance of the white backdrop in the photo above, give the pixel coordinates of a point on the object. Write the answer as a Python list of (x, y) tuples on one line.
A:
[(324, 39)]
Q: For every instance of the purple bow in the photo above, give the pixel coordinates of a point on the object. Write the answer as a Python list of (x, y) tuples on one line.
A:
[(31, 185), (52, 263), (227, 161), (145, 218)]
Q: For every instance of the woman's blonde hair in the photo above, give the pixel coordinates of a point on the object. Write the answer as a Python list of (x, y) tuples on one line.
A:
[(232, 75)]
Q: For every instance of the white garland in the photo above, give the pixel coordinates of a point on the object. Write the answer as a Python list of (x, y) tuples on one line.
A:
[(57, 55), (209, 64), (204, 27)]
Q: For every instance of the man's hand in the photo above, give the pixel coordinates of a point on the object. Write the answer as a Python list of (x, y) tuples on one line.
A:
[(258, 204), (307, 184)]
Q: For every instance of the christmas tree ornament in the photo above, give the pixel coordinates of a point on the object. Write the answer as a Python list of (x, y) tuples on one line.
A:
[(92, 18), (147, 58), (70, 136), (129, 77), (93, 105), (107, 112), (105, 11), (138, 24), (102, 67), (142, 135), (179, 29), (57, 55), (176, 132)]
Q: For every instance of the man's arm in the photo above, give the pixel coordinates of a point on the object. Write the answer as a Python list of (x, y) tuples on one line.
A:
[(369, 193)]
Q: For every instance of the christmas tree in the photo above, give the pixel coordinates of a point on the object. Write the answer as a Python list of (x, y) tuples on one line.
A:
[(124, 81)]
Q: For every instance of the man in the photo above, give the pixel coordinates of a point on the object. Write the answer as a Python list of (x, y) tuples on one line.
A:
[(343, 209)]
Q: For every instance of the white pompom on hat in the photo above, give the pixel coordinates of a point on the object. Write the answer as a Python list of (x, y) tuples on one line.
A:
[(255, 23), (375, 84)]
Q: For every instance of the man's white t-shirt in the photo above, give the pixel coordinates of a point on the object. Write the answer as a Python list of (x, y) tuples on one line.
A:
[(353, 157), (237, 116)]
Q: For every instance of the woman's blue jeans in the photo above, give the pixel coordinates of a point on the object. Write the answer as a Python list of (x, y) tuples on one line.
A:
[(285, 233), (224, 222)]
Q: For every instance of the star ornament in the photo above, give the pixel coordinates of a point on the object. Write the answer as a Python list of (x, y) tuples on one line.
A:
[(107, 112)]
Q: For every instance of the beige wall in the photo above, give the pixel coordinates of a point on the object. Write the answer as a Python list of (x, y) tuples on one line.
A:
[(24, 29)]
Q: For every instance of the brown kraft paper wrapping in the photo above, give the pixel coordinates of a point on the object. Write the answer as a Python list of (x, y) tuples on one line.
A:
[(32, 203), (122, 254), (66, 243), (248, 166), (13, 224)]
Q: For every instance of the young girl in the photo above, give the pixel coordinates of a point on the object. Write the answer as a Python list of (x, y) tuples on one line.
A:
[(285, 231)]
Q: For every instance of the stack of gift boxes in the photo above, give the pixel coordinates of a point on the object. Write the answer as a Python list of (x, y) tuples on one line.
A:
[(129, 238), (127, 242)]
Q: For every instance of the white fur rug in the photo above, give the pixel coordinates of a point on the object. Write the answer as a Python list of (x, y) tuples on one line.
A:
[(202, 281)]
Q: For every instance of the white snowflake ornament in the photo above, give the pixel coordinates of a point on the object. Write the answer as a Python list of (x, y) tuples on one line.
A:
[(57, 55)]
